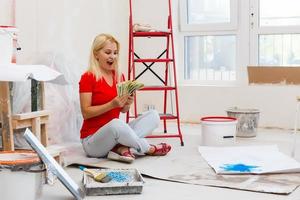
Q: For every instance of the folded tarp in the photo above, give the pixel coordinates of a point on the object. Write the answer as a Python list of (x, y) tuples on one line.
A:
[(16, 73)]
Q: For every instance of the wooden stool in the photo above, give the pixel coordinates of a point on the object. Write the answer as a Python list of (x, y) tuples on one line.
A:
[(37, 120)]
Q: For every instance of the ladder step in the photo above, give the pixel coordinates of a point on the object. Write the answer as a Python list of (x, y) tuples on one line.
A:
[(157, 87), (161, 115), (153, 60), (163, 136), (151, 34), (167, 116)]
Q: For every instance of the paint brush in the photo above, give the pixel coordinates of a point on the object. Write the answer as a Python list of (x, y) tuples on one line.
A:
[(97, 176)]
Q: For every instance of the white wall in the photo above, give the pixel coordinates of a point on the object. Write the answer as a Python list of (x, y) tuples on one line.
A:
[(68, 27), (6, 13)]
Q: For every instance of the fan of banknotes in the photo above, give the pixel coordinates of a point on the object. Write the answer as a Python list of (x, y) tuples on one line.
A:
[(128, 87)]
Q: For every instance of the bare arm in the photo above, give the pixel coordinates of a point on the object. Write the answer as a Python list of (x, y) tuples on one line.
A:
[(89, 111)]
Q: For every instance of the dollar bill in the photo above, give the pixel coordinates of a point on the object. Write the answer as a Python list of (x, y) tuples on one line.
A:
[(128, 87)]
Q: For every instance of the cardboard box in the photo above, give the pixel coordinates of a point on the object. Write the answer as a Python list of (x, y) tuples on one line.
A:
[(274, 75)]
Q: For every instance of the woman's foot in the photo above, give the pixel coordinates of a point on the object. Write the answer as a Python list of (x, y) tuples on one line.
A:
[(122, 154), (159, 149)]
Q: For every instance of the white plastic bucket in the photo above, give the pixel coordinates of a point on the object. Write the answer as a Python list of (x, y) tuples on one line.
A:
[(6, 44), (247, 121), (20, 169), (218, 131)]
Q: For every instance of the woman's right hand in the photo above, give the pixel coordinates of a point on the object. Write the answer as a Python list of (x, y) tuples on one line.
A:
[(119, 101)]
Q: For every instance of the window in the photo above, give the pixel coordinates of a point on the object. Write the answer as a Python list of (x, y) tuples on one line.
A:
[(208, 15), (279, 13), (279, 49), (217, 49), (209, 29), (210, 58), (206, 12), (275, 32)]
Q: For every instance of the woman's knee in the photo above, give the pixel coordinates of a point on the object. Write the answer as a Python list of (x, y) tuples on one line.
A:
[(117, 124), (153, 114)]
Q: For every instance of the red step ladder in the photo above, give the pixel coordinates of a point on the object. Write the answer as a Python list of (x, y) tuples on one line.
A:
[(168, 83)]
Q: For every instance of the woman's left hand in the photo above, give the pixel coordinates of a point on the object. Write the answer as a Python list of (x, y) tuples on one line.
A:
[(129, 100)]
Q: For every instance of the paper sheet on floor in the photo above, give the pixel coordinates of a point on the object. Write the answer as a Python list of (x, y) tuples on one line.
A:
[(248, 160)]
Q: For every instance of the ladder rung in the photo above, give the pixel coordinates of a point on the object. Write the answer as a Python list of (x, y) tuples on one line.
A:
[(163, 136), (167, 116), (151, 34), (161, 115), (157, 87), (153, 60)]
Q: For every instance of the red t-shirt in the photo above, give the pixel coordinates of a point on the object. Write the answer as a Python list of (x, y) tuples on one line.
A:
[(101, 94)]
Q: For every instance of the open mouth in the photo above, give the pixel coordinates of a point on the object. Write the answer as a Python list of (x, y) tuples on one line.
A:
[(110, 62)]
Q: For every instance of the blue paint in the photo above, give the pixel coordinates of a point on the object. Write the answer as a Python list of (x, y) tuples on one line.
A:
[(118, 176), (239, 167)]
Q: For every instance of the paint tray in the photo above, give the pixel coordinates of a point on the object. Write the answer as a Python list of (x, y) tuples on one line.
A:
[(124, 181)]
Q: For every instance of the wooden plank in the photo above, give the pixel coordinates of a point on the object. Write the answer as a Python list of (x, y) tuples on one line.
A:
[(44, 134), (283, 75), (31, 115), (36, 127), (7, 132), (17, 124)]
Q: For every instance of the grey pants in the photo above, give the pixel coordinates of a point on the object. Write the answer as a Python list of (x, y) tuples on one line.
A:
[(119, 132)]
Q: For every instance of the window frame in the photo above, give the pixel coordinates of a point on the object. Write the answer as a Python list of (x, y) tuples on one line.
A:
[(205, 82), (213, 29), (232, 25), (256, 30)]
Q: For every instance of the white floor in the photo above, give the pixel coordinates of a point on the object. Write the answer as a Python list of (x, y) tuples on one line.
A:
[(158, 189)]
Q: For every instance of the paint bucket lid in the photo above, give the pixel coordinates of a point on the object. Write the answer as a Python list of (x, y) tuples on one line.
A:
[(218, 119), (18, 158), (9, 28)]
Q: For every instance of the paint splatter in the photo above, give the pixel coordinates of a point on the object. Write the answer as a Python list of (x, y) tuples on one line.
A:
[(239, 167)]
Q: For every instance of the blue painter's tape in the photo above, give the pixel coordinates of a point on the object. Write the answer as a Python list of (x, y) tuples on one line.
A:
[(239, 167)]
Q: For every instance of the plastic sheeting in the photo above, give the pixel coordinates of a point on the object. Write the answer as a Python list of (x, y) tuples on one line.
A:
[(61, 100), (13, 72)]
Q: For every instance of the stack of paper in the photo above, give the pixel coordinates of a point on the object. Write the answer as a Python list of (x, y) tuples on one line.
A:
[(128, 87), (249, 160)]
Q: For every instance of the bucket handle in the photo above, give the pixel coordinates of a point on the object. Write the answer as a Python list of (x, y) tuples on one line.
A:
[(228, 136)]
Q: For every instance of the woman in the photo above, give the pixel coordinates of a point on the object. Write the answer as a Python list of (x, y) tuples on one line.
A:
[(103, 133)]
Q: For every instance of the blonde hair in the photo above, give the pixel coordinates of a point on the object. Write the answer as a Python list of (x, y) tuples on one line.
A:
[(98, 44)]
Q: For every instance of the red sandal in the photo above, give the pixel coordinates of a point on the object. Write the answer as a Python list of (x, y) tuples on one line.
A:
[(160, 150)]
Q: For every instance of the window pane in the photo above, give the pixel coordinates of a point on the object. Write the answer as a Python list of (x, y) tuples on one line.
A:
[(283, 49), (208, 11), (210, 58), (279, 12)]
